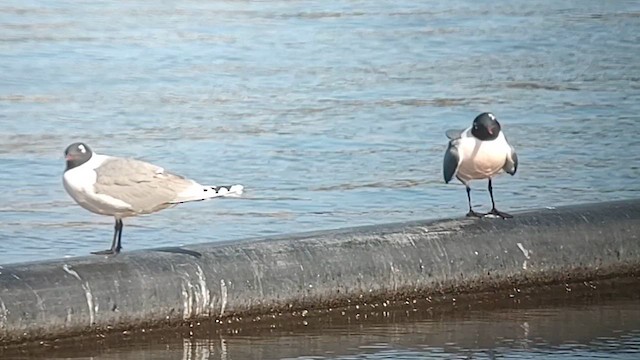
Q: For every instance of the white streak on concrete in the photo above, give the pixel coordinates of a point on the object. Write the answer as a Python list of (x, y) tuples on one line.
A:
[(3, 315), (526, 254), (257, 274), (524, 251), (413, 243), (187, 293), (196, 295), (93, 308), (39, 300), (444, 254), (203, 297), (71, 272), (394, 270), (185, 303), (224, 295)]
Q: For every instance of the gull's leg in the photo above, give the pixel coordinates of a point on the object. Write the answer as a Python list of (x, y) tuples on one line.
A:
[(495, 211), (471, 213), (116, 243)]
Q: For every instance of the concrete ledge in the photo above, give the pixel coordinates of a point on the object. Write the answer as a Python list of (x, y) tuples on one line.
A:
[(68, 297)]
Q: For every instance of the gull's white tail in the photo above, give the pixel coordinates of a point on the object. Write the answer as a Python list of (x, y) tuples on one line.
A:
[(199, 192)]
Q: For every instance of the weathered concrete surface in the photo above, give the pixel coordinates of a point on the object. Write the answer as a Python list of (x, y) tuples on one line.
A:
[(151, 287)]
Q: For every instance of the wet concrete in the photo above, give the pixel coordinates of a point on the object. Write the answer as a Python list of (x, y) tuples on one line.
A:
[(322, 270), (548, 319)]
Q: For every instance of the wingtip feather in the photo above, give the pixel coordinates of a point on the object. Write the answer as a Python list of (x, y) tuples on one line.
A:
[(229, 191)]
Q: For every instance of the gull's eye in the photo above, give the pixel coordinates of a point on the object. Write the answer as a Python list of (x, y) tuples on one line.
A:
[(82, 149)]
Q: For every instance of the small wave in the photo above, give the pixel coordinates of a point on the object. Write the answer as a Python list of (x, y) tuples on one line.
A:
[(536, 86)]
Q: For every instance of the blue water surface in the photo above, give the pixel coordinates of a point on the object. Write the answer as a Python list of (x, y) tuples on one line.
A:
[(331, 114)]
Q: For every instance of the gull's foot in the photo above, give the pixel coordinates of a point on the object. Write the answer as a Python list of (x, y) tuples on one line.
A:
[(499, 213), (472, 213), (109, 252)]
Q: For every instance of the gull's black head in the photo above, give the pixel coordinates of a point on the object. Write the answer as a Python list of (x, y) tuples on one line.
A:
[(485, 127), (77, 154)]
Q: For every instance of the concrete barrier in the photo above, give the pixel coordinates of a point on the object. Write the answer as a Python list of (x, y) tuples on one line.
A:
[(157, 287)]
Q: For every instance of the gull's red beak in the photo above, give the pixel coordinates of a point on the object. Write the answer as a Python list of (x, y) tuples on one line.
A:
[(490, 130), (68, 157)]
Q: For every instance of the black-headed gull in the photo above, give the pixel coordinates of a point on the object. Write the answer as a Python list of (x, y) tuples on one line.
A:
[(122, 187), (479, 152)]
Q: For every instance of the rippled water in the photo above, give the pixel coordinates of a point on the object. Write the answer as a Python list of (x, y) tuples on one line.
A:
[(332, 114)]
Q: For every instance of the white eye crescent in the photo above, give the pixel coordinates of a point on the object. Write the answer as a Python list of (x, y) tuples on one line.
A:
[(82, 149), (491, 116)]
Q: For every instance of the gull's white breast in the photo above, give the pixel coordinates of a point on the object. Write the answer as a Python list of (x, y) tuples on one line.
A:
[(481, 159), (79, 183)]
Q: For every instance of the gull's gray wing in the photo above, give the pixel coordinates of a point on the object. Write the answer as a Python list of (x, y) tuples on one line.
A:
[(511, 165), (454, 134), (451, 161), (145, 187)]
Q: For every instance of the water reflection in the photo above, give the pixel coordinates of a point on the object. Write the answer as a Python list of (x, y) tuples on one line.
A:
[(612, 331), (204, 349)]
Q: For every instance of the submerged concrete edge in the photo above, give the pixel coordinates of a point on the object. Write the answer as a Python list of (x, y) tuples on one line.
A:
[(45, 300)]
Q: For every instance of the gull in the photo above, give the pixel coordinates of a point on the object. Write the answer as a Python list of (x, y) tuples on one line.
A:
[(479, 152), (124, 187)]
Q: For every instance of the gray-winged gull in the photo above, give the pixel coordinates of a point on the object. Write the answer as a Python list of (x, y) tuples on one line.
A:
[(123, 187)]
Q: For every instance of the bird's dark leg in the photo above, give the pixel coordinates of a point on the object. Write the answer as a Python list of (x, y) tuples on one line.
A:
[(495, 211), (118, 246), (116, 243), (471, 213)]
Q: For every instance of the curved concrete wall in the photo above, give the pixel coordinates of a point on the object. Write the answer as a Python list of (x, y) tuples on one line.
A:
[(159, 286)]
